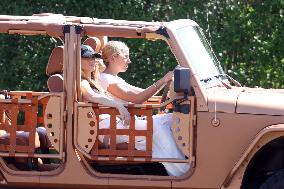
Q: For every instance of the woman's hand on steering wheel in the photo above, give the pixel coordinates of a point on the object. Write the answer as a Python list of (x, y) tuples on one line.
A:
[(168, 80)]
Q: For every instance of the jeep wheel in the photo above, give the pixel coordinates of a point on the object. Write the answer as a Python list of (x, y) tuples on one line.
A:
[(275, 181)]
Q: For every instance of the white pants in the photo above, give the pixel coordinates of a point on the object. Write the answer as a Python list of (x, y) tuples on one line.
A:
[(163, 146)]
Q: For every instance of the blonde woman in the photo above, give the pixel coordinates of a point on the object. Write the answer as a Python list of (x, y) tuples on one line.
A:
[(116, 57)]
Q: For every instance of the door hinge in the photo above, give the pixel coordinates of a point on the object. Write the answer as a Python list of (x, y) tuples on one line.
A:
[(194, 120), (193, 161), (65, 116)]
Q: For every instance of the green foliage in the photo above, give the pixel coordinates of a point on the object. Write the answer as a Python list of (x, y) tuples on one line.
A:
[(247, 36)]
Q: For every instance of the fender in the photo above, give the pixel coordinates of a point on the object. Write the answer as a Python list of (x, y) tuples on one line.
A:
[(235, 177)]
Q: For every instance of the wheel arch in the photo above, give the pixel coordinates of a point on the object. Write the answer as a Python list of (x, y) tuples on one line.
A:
[(259, 146)]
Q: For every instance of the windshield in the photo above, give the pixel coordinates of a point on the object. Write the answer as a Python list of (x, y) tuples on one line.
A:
[(200, 53)]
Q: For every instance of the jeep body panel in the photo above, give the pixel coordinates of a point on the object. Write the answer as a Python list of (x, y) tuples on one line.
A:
[(222, 99), (265, 136), (260, 101), (219, 148)]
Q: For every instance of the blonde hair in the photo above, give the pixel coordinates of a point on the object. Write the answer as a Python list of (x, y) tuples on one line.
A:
[(94, 81), (111, 48)]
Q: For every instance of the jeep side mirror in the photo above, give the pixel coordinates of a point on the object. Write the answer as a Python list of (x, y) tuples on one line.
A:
[(182, 85), (182, 80)]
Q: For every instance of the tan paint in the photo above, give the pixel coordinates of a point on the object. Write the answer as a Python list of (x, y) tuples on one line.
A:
[(223, 100), (53, 121), (180, 130), (27, 32), (219, 148), (86, 128), (234, 179), (183, 129), (261, 102)]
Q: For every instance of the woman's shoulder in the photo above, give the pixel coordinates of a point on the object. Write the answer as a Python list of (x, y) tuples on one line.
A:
[(107, 76), (84, 82), (85, 85), (110, 79)]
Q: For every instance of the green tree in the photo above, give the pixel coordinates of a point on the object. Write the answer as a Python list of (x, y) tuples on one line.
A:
[(247, 37)]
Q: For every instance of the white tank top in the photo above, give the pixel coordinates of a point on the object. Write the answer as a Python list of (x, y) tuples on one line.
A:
[(108, 79)]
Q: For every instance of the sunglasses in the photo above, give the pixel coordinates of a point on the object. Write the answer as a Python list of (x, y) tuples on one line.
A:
[(97, 55), (87, 53)]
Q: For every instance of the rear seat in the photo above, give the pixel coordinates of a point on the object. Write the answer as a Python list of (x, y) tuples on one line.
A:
[(54, 70)]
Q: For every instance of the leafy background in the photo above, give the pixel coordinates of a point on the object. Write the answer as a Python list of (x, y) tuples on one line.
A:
[(247, 36)]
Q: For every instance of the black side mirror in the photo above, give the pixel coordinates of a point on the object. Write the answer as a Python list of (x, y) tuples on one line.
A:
[(182, 84), (182, 80)]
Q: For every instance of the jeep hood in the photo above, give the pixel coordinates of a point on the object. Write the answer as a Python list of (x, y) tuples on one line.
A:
[(246, 100), (261, 101)]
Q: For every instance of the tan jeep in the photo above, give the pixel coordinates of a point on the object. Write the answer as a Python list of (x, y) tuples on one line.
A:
[(231, 135)]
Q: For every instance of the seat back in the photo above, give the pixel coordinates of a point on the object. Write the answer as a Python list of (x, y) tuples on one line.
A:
[(54, 70), (97, 43), (55, 62), (93, 42)]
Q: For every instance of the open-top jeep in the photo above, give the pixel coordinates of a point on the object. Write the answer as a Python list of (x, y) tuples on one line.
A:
[(231, 136)]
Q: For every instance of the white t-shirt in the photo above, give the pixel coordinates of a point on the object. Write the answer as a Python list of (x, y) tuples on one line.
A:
[(108, 79)]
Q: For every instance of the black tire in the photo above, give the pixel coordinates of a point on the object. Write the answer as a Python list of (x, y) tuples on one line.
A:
[(275, 181)]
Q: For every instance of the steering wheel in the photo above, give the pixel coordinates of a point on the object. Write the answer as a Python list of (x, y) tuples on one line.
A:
[(165, 93)]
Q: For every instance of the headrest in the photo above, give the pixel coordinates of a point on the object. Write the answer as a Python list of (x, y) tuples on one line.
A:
[(55, 62), (97, 43), (93, 42)]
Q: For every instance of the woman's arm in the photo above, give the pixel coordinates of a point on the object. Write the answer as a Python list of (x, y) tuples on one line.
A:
[(134, 88), (94, 97), (137, 95)]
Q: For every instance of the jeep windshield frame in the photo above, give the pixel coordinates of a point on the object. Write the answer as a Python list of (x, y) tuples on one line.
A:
[(198, 52)]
